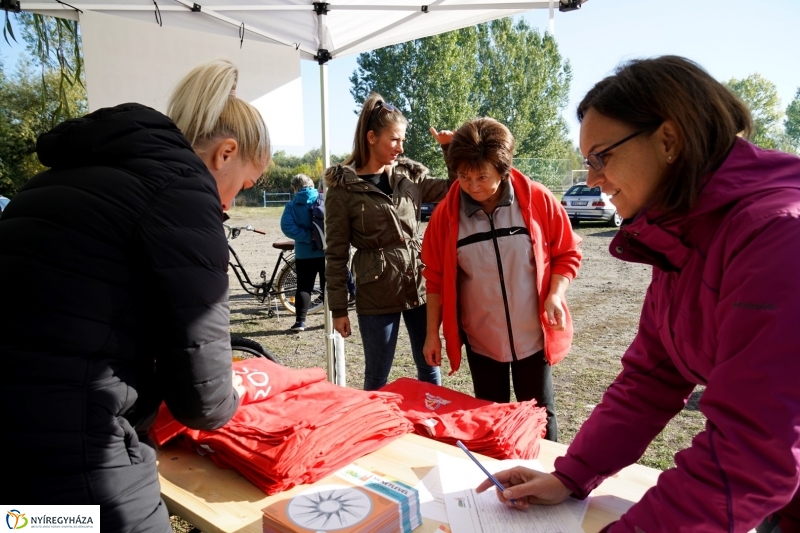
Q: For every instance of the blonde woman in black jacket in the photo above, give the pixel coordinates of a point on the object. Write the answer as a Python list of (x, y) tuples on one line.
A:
[(119, 294)]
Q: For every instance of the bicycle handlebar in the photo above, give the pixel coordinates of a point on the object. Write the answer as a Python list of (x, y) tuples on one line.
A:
[(234, 231)]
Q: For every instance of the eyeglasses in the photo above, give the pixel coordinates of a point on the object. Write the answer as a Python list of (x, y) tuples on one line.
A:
[(595, 159), (380, 106)]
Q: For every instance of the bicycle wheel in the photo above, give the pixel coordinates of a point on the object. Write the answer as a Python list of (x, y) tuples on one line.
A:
[(287, 286), (243, 348)]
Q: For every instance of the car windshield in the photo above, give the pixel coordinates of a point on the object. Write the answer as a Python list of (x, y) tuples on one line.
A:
[(583, 190)]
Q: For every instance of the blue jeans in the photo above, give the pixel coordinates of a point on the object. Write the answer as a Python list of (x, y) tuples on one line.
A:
[(379, 336)]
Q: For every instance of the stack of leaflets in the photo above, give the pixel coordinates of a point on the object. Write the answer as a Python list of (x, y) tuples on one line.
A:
[(353, 500)]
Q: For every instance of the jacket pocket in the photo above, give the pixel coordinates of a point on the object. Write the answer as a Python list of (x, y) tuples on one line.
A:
[(368, 266)]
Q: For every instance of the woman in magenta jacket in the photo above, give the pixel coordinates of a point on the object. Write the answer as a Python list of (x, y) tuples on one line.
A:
[(717, 218)]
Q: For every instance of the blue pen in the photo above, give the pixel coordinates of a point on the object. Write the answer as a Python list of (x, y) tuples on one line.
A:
[(494, 479)]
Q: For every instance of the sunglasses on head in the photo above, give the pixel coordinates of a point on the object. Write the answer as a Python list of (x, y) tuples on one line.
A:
[(380, 106)]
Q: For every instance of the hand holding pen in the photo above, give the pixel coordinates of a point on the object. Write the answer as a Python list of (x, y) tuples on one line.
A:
[(496, 483), (524, 487)]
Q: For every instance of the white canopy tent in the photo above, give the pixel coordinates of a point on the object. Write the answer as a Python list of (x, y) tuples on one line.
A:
[(318, 31)]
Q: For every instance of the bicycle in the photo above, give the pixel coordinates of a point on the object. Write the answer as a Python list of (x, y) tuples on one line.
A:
[(281, 289), (243, 348)]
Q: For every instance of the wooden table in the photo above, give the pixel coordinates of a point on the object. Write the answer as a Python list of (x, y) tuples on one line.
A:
[(217, 500)]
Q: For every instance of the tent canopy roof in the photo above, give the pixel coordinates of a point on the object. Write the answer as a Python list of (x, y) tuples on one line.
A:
[(349, 27)]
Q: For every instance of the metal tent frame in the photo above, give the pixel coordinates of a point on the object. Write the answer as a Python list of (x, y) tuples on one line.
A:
[(305, 26)]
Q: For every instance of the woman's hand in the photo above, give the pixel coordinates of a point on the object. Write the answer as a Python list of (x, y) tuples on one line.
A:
[(432, 350), (442, 137), (527, 487), (342, 325), (554, 307)]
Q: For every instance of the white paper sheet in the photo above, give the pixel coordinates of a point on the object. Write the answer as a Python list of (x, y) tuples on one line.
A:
[(470, 512), (432, 500)]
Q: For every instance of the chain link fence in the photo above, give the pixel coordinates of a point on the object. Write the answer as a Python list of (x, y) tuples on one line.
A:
[(558, 175), (258, 198)]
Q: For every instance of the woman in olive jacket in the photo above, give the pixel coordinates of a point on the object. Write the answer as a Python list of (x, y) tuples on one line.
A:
[(373, 203)]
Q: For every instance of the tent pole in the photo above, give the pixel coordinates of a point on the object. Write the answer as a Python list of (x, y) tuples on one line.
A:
[(334, 343)]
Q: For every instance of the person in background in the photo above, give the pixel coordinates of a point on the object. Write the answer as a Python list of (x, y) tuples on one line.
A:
[(120, 294), (309, 262), (719, 221), (372, 202), (499, 254)]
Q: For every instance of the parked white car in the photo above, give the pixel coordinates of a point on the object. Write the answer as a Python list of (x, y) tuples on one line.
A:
[(591, 204)]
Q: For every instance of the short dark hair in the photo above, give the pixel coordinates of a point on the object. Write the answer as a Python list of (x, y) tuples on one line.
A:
[(644, 92), (480, 142)]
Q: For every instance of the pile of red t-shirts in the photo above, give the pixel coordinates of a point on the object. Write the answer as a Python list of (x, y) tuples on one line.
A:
[(499, 430), (293, 427)]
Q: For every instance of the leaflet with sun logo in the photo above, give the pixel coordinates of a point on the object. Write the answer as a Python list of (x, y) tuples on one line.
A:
[(352, 500), (405, 495)]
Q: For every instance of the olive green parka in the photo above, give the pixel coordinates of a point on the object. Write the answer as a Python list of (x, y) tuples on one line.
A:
[(385, 233)]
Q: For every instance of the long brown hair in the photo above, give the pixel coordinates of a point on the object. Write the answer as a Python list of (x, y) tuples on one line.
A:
[(369, 121), (644, 92)]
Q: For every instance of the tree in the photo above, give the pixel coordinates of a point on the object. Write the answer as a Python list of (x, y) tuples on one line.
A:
[(761, 97), (54, 43), (501, 69), (792, 122), (23, 117), (430, 80), (524, 83), (283, 167)]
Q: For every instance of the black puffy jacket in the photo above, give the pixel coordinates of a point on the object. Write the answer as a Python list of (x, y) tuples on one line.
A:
[(113, 267)]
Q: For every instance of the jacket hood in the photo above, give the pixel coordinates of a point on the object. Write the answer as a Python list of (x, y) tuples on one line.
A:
[(735, 179), (112, 135), (306, 195), (338, 175)]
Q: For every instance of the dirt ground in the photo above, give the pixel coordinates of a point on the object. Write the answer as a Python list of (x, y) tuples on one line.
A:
[(605, 301)]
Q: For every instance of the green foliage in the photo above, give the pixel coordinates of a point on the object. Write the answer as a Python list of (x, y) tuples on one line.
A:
[(283, 167), (761, 97), (430, 80), (55, 45), (792, 122), (524, 83), (501, 69), (23, 117)]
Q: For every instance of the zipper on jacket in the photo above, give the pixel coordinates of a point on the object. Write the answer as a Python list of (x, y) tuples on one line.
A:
[(363, 226), (502, 286)]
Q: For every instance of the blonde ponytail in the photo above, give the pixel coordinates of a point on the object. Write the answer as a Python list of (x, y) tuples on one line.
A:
[(205, 107)]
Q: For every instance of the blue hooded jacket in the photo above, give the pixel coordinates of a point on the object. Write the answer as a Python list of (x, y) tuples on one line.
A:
[(296, 223)]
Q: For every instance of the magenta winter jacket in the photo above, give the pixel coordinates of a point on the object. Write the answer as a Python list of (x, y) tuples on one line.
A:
[(722, 310)]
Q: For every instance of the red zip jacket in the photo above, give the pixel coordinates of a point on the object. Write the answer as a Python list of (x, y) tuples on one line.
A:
[(555, 247), (722, 310)]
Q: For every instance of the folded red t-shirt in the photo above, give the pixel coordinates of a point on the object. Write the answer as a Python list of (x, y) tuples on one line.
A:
[(500, 430), (262, 379)]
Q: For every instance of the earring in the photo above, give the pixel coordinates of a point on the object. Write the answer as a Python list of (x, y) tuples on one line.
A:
[(669, 159)]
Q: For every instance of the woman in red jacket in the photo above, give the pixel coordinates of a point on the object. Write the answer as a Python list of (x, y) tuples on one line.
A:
[(499, 255), (719, 221)]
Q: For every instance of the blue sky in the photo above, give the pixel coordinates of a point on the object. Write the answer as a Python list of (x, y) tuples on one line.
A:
[(729, 38)]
